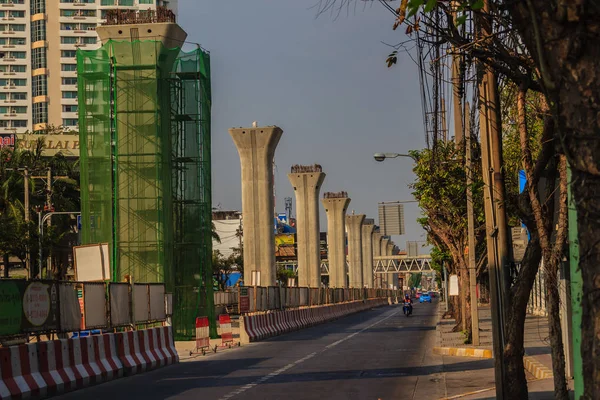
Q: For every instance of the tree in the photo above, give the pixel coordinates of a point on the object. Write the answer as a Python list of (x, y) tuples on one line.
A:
[(440, 189)]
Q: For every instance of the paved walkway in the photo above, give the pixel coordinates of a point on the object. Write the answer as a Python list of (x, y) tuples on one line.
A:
[(478, 373)]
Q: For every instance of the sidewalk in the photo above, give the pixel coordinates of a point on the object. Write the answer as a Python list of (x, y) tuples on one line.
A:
[(468, 376)]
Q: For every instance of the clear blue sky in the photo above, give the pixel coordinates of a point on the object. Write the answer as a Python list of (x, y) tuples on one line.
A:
[(324, 81)]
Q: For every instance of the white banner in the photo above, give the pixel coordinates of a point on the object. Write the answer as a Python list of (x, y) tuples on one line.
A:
[(453, 286)]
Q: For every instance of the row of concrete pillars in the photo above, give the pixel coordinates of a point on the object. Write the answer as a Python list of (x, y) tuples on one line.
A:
[(256, 147)]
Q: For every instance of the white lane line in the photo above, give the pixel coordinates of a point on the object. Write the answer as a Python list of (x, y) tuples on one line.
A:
[(273, 374)]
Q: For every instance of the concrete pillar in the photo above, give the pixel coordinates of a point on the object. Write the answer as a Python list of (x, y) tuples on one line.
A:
[(384, 252), (354, 223), (256, 147), (307, 181), (392, 277), (377, 278), (335, 206), (367, 253)]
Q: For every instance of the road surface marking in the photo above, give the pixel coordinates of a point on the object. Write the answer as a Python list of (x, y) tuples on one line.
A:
[(273, 374)]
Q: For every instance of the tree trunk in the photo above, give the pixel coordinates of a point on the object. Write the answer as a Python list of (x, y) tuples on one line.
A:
[(556, 343), (6, 261), (563, 37), (515, 323)]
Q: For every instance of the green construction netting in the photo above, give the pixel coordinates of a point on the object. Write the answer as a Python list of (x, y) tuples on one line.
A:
[(144, 126)]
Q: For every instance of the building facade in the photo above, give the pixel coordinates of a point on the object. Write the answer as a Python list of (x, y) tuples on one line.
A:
[(38, 69)]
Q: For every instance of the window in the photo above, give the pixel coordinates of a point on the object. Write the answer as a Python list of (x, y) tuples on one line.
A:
[(17, 28), (68, 67), (69, 81), (78, 1), (40, 113), (19, 110), (68, 53), (2, 14), (70, 122), (68, 40), (12, 1), (38, 6), (69, 94), (38, 30), (19, 82), (18, 96), (70, 108), (18, 68), (38, 58), (68, 13), (17, 41), (17, 54), (68, 27), (146, 1), (4, 110), (89, 40), (19, 123), (39, 86), (107, 2), (3, 95), (88, 27), (17, 14), (87, 13), (126, 2), (3, 82), (3, 41)]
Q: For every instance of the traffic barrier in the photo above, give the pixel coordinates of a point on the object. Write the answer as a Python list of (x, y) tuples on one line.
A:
[(55, 367), (156, 347), (131, 360), (19, 373), (202, 335), (149, 355), (107, 356), (85, 373), (270, 320), (226, 332), (168, 344)]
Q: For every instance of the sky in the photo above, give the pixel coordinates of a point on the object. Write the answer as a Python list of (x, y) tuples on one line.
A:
[(325, 82)]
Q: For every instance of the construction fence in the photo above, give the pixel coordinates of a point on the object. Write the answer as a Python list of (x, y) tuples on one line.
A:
[(253, 299), (44, 307)]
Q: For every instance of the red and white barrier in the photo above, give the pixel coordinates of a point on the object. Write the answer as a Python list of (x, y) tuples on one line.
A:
[(131, 360), (149, 355), (167, 344), (19, 372), (55, 366), (107, 356)]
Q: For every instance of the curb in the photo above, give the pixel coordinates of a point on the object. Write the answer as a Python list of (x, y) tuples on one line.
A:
[(536, 368), (463, 352)]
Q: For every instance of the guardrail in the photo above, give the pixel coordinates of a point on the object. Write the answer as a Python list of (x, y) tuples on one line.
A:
[(248, 299), (43, 307)]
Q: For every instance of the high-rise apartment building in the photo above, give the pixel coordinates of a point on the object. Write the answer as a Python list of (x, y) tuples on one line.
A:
[(38, 43)]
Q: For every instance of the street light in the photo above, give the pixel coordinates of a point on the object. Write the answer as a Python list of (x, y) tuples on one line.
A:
[(382, 156)]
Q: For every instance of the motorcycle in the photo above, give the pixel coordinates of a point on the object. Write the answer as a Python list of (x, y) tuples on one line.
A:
[(407, 309)]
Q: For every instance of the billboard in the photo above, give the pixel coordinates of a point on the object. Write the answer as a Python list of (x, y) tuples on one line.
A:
[(391, 219), (28, 306), (7, 140), (284, 239)]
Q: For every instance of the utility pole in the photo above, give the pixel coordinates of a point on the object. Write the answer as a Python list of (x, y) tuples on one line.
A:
[(471, 230), (26, 188), (493, 193)]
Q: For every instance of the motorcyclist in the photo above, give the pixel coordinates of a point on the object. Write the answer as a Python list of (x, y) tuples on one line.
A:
[(408, 302)]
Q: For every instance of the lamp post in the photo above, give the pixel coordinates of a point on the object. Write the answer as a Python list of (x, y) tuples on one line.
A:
[(382, 156)]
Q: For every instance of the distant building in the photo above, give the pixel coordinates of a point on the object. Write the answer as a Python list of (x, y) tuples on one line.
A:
[(229, 227)]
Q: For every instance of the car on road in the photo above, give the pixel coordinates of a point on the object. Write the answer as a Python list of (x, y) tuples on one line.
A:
[(425, 297)]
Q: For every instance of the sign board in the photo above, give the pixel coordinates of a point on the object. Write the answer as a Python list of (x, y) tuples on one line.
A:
[(391, 219), (453, 286), (244, 300), (68, 145), (92, 262), (28, 306), (7, 140), (282, 217), (519, 242), (284, 238)]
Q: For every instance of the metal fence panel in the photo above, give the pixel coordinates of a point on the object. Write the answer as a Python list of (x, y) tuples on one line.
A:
[(157, 302), (70, 310), (94, 303), (303, 297), (141, 303), (120, 304)]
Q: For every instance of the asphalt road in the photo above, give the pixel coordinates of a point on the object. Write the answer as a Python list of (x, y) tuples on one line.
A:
[(376, 354)]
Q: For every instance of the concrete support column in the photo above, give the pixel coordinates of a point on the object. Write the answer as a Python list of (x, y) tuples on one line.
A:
[(336, 205), (392, 277), (377, 278), (307, 181), (367, 253), (354, 224), (256, 147), (384, 253)]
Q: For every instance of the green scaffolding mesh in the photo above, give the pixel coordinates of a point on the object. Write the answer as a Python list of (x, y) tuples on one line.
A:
[(144, 126)]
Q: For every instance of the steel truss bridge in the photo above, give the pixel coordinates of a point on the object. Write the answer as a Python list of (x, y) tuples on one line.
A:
[(381, 265)]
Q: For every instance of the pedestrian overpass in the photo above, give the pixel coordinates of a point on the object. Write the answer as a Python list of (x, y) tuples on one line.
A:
[(382, 264)]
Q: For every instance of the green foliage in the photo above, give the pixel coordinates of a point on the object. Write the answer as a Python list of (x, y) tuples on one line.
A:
[(223, 266), (283, 274)]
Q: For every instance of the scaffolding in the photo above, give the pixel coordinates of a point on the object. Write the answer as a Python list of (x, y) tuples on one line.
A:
[(145, 161)]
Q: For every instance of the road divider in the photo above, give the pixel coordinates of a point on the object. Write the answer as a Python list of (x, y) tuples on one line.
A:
[(257, 327), (41, 369)]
